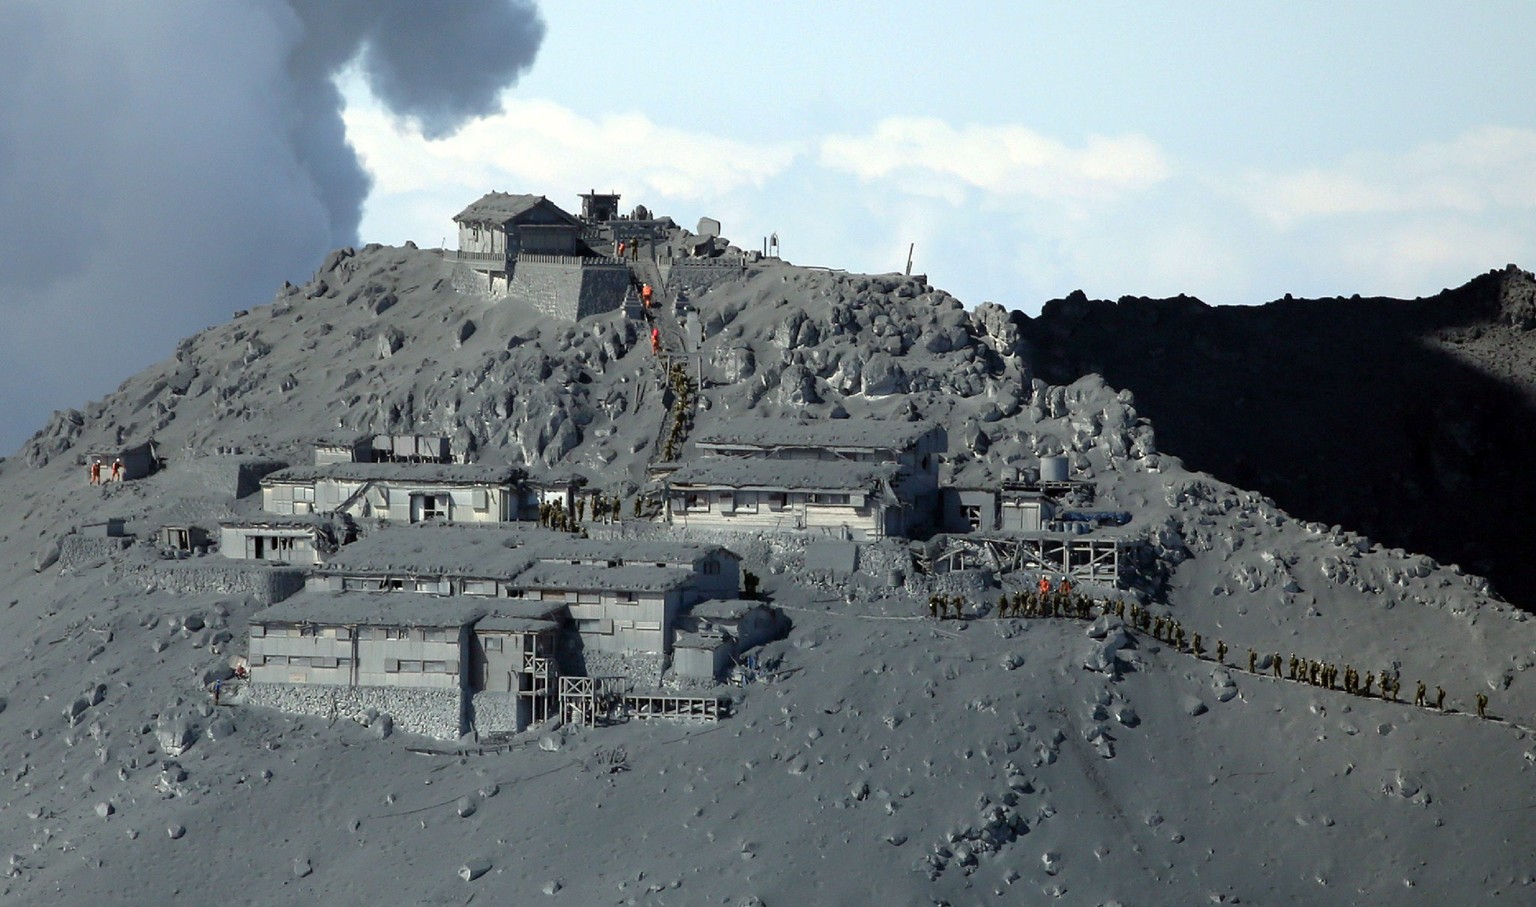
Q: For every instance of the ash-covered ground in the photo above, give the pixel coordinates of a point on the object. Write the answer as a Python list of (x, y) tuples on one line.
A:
[(892, 758)]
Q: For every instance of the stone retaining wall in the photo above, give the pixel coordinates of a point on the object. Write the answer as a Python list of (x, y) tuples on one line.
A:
[(636, 671), (495, 713), (568, 289), (602, 289), (77, 551), (429, 713), (266, 585)]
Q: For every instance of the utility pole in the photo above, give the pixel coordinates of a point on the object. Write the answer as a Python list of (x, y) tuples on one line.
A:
[(910, 247)]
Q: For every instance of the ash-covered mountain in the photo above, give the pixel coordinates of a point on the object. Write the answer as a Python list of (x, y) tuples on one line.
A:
[(889, 757)]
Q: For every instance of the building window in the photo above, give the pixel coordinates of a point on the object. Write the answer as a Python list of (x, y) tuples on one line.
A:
[(298, 661), (746, 502), (435, 667), (589, 598), (433, 506), (711, 567), (410, 667), (828, 498), (777, 500), (493, 644), (693, 502)]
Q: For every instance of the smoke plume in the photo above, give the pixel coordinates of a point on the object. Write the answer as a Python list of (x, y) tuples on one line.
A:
[(164, 164)]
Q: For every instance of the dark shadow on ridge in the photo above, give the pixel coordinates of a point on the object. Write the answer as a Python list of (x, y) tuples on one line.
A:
[(1337, 408)]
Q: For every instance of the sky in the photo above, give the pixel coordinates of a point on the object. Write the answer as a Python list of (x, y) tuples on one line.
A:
[(1234, 152)]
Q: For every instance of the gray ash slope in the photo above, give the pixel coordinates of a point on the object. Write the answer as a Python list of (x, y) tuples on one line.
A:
[(896, 760), (1410, 420)]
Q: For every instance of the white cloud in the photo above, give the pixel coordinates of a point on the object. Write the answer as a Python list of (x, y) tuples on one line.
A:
[(537, 145), (1480, 171), (927, 156)]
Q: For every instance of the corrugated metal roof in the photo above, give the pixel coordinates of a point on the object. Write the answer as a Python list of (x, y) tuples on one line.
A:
[(296, 521), (432, 551), (725, 608), (784, 475), (498, 624), (372, 609), (700, 641), (439, 473), (570, 547), (851, 434), (577, 577)]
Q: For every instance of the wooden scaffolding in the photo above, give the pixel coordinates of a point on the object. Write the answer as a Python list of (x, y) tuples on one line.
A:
[(584, 700), (1092, 558), (538, 681)]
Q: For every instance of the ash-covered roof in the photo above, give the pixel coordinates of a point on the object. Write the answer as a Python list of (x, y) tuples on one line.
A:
[(561, 546), (725, 608), (295, 521), (372, 609), (495, 624), (784, 475), (433, 550), (503, 207), (699, 641), (427, 473), (840, 434), (515, 616), (554, 480), (577, 577)]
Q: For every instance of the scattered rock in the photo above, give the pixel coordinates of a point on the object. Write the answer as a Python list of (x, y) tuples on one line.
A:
[(175, 734), (1223, 687), (47, 557)]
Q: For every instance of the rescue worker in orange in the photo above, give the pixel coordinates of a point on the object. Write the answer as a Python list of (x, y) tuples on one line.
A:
[(645, 295), (95, 472), (656, 341), (117, 470)]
